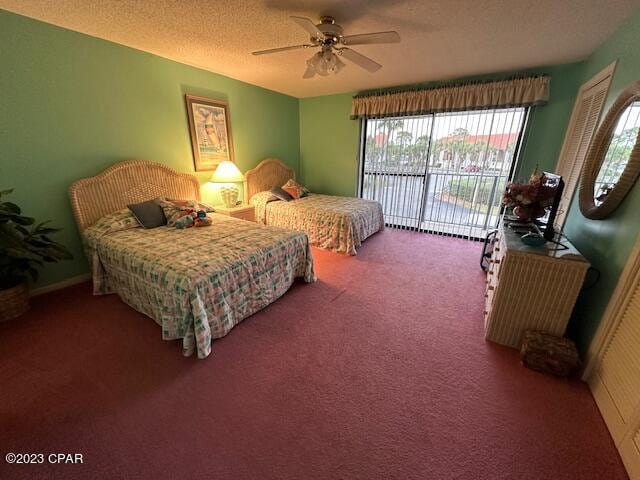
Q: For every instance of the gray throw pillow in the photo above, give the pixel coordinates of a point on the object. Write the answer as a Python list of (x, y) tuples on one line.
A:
[(281, 194), (149, 213)]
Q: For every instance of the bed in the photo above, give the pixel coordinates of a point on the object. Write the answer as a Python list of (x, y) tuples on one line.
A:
[(196, 283), (339, 224)]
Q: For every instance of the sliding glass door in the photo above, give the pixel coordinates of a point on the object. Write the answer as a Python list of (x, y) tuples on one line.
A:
[(442, 173)]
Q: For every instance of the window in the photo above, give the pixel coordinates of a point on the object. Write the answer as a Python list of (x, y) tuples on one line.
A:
[(443, 173)]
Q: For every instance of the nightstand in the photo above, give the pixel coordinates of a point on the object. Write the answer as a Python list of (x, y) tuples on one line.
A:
[(244, 212)]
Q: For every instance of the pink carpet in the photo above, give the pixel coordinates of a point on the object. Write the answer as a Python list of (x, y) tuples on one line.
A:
[(379, 370)]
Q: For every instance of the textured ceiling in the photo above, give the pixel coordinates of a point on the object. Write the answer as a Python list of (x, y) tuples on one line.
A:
[(440, 39)]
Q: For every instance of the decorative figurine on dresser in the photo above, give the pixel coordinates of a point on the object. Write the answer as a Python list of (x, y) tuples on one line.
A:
[(534, 275)]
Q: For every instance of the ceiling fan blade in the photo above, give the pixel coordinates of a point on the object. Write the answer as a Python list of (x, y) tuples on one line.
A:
[(281, 49), (370, 38), (309, 26), (359, 59), (309, 72)]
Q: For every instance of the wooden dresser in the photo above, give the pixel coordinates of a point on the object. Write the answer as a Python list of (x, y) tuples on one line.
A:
[(530, 288)]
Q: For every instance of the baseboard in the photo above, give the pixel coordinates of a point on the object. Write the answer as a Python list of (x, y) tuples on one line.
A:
[(58, 285)]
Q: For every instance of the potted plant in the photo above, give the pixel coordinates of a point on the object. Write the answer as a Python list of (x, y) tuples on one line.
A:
[(529, 200), (24, 247)]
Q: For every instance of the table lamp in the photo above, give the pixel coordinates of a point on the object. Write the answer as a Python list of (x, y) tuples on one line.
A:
[(227, 173)]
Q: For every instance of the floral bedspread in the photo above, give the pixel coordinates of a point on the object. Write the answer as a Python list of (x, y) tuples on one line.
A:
[(198, 283), (334, 223)]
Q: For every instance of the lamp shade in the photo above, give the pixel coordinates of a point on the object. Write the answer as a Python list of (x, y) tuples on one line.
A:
[(227, 172)]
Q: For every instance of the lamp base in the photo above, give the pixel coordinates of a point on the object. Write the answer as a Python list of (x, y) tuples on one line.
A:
[(229, 196)]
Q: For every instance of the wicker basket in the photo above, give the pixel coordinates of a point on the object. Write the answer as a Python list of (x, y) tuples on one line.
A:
[(549, 353), (14, 302)]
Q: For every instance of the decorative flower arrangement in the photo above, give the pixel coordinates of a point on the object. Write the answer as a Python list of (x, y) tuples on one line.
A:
[(529, 200)]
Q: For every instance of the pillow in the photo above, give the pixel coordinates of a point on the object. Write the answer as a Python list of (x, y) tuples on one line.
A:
[(299, 188), (281, 194), (193, 204), (294, 192), (149, 213), (263, 197), (115, 222), (176, 209)]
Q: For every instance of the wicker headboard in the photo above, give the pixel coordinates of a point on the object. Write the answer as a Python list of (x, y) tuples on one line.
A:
[(269, 173), (124, 183)]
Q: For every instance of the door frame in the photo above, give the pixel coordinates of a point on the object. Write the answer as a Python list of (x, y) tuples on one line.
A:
[(610, 319)]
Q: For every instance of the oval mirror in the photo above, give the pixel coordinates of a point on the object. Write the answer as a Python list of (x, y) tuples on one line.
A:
[(613, 162)]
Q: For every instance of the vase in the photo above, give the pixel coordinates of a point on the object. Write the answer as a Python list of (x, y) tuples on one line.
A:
[(523, 213), (528, 213)]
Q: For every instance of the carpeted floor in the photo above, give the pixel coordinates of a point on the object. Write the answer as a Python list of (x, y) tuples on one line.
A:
[(377, 371)]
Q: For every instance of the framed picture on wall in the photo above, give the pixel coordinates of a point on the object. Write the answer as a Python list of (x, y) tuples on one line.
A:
[(210, 129)]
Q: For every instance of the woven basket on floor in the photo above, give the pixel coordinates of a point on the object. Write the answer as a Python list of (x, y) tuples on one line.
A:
[(14, 302), (549, 353)]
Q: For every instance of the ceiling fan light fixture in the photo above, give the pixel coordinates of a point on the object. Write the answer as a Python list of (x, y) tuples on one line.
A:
[(330, 61), (337, 64), (325, 62), (319, 65)]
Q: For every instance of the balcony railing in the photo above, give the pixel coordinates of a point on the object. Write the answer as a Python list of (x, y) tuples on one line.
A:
[(456, 202)]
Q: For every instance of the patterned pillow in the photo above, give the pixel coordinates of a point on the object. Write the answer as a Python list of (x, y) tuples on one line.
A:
[(176, 209), (263, 197), (300, 189), (281, 194), (115, 222), (293, 191)]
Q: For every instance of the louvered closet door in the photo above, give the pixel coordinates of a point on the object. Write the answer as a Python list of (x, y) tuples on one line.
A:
[(630, 453), (619, 368), (615, 380), (582, 126)]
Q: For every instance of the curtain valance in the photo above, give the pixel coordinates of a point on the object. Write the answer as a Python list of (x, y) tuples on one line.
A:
[(505, 93)]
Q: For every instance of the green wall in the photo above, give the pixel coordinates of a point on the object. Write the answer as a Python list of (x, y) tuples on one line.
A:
[(71, 105), (607, 243), (329, 143), (329, 139)]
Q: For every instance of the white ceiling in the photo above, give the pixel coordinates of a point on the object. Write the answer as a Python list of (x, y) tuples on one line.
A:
[(440, 39)]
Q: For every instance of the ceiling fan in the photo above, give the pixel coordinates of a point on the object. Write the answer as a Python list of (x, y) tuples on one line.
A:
[(328, 36)]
